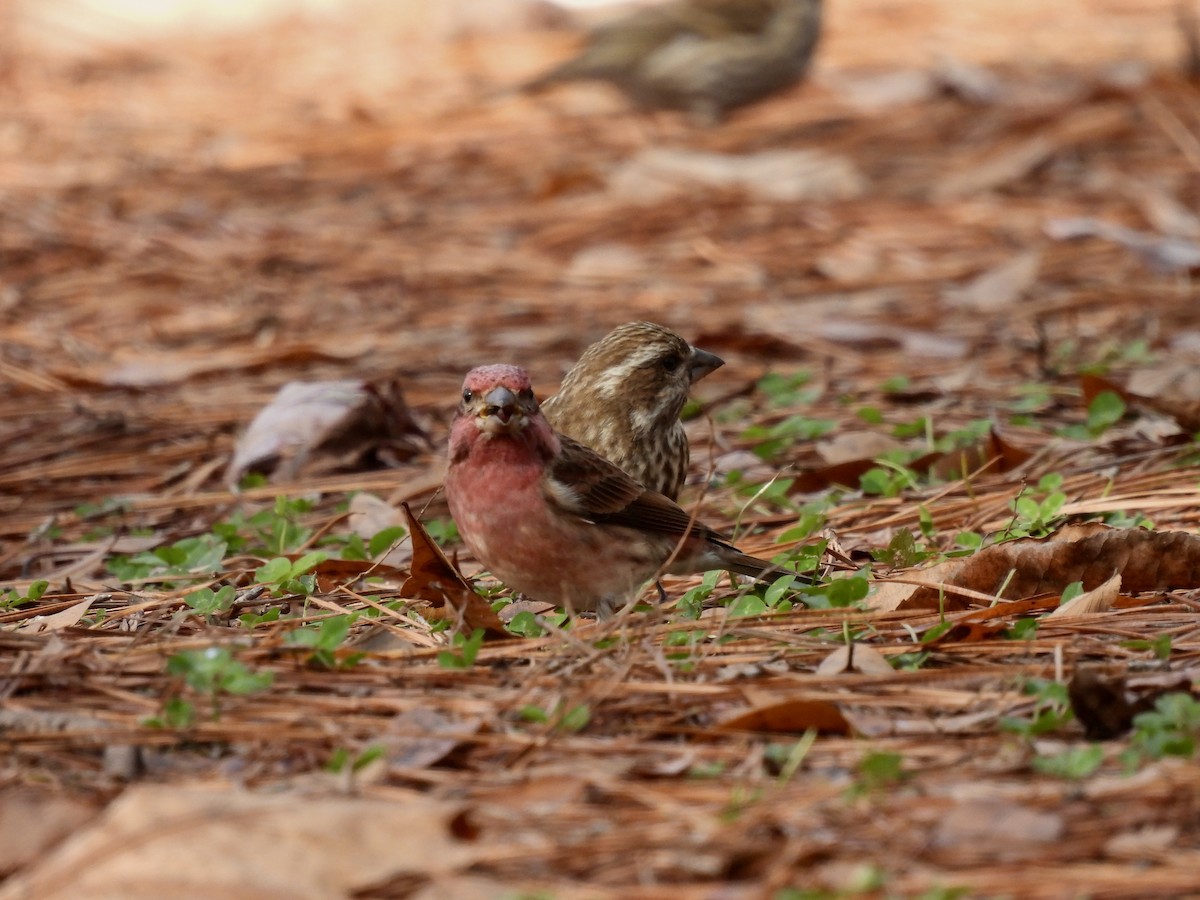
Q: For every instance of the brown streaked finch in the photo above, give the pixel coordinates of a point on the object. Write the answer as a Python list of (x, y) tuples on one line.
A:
[(703, 56), (623, 399), (557, 521)]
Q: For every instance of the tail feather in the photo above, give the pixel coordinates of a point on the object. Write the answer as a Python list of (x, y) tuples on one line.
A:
[(760, 569)]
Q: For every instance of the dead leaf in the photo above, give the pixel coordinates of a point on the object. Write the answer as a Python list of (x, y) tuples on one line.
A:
[(969, 81), (984, 624), (612, 263), (776, 175), (1093, 386), (1098, 599), (1146, 561), (512, 610), (57, 621), (845, 474), (441, 735), (1161, 208), (748, 670), (992, 454), (192, 842), (1143, 845), (351, 422), (853, 260), (370, 515), (434, 579), (332, 573), (998, 287), (885, 91), (1171, 388), (996, 829), (847, 446), (1165, 255), (855, 658), (792, 716)]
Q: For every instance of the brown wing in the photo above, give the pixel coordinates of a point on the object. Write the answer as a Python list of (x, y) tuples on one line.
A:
[(588, 485)]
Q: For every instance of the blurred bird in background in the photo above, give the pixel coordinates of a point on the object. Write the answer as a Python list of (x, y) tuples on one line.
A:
[(702, 56), (623, 399)]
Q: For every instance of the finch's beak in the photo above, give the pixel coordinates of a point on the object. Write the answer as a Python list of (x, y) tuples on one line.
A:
[(500, 411), (704, 362)]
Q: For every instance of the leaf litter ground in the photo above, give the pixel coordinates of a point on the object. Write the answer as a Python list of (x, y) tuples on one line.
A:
[(998, 201)]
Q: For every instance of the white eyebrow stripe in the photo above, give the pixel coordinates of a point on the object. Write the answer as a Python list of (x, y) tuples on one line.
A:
[(609, 382)]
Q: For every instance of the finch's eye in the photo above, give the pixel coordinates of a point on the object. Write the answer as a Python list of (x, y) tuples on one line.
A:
[(670, 363), (468, 396), (526, 394)]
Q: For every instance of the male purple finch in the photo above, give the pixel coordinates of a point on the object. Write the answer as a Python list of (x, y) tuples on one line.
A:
[(556, 521), (623, 399)]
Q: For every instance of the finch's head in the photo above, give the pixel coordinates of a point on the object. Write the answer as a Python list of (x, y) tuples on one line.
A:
[(644, 370), (499, 399)]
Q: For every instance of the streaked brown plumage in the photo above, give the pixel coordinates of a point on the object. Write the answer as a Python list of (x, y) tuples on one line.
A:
[(702, 56), (623, 399)]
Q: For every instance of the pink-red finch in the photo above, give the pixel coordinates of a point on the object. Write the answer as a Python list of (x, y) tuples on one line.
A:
[(623, 399), (702, 56), (552, 518)]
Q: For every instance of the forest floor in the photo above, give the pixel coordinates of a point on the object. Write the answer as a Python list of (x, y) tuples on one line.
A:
[(951, 278)]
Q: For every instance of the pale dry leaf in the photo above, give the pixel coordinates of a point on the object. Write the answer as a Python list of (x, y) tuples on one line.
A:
[(998, 287), (845, 446), (198, 842), (1171, 388), (887, 596), (738, 671), (1144, 845), (607, 263), (380, 639), (296, 421), (997, 829), (1165, 255), (853, 260), (884, 91), (441, 735), (855, 658), (1174, 377), (512, 610), (774, 175), (885, 723), (1098, 599), (330, 418), (370, 515), (1162, 209), (972, 82), (57, 621)]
